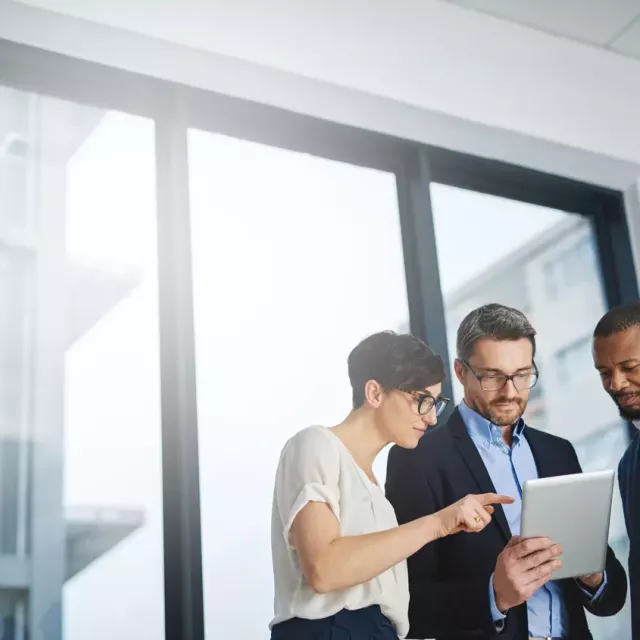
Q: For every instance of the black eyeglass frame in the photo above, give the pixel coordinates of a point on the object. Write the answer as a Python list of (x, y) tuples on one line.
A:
[(535, 374), (426, 401)]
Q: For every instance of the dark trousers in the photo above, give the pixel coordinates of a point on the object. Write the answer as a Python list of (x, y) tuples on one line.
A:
[(362, 624)]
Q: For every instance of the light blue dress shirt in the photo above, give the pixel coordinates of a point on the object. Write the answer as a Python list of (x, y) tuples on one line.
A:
[(508, 469)]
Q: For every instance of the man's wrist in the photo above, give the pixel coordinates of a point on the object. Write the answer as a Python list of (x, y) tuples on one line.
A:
[(587, 587), (501, 607), (592, 582), (496, 613), (497, 601)]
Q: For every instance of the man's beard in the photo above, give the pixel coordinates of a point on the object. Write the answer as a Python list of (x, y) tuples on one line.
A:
[(491, 414), (628, 413)]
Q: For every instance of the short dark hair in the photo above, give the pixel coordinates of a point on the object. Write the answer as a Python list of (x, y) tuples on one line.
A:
[(395, 361), (496, 322), (618, 319)]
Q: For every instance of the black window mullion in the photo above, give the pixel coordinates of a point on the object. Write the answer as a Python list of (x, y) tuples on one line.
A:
[(426, 304), (184, 615)]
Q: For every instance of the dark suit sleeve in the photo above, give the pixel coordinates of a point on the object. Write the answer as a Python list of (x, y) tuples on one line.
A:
[(625, 479), (622, 477), (614, 595), (437, 606)]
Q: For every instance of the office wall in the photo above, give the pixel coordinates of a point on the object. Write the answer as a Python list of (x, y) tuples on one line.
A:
[(424, 53), (419, 52)]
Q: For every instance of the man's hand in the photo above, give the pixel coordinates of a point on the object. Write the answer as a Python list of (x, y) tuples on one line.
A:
[(522, 568), (592, 581)]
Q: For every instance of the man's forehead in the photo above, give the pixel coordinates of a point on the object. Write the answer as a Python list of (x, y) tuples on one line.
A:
[(505, 370), (620, 346), (497, 364)]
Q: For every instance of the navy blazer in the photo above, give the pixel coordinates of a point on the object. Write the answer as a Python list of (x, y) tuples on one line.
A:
[(449, 578), (629, 479)]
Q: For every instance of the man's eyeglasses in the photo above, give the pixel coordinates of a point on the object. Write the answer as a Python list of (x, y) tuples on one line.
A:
[(497, 381), (426, 402)]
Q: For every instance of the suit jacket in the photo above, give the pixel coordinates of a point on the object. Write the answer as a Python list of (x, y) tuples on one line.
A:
[(629, 479), (449, 578)]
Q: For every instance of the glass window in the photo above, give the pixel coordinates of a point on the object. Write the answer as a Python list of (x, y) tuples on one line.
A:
[(551, 278), (295, 259), (574, 361), (543, 261), (80, 479), (572, 266)]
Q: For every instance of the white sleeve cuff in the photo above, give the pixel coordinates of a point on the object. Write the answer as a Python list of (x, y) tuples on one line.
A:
[(314, 492)]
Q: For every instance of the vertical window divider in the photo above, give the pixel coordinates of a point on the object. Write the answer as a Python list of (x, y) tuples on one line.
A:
[(426, 304), (184, 612)]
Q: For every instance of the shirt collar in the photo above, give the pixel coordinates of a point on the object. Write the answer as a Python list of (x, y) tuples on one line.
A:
[(485, 433)]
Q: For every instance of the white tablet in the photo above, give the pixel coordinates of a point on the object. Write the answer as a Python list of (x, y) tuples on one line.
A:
[(573, 511)]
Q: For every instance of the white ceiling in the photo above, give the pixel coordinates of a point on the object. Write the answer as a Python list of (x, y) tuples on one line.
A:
[(611, 24)]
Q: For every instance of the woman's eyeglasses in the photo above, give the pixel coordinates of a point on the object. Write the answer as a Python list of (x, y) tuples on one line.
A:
[(426, 402)]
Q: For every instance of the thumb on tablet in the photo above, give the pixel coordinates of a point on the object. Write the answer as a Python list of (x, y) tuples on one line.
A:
[(514, 541)]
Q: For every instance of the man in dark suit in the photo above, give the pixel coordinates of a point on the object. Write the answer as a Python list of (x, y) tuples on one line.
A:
[(493, 585), (616, 354)]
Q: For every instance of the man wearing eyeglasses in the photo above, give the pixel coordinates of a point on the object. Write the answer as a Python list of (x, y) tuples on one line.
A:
[(493, 585)]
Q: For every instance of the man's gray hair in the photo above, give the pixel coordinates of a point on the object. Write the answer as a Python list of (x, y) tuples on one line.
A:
[(496, 322)]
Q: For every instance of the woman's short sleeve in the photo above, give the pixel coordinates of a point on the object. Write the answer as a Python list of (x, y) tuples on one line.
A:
[(308, 472)]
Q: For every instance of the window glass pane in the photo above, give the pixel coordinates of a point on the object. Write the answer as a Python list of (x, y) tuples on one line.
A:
[(574, 362), (81, 497), (295, 260), (543, 262)]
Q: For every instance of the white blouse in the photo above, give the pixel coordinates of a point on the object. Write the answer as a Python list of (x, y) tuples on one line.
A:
[(315, 466)]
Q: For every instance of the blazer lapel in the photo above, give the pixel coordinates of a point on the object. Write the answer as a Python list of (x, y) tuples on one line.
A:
[(473, 460)]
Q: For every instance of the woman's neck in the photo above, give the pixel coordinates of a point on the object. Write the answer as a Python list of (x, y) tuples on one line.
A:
[(361, 436)]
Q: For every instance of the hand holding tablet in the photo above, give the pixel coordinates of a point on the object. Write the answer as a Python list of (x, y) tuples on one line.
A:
[(522, 568)]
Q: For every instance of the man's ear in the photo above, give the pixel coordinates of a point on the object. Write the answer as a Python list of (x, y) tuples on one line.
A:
[(460, 369)]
